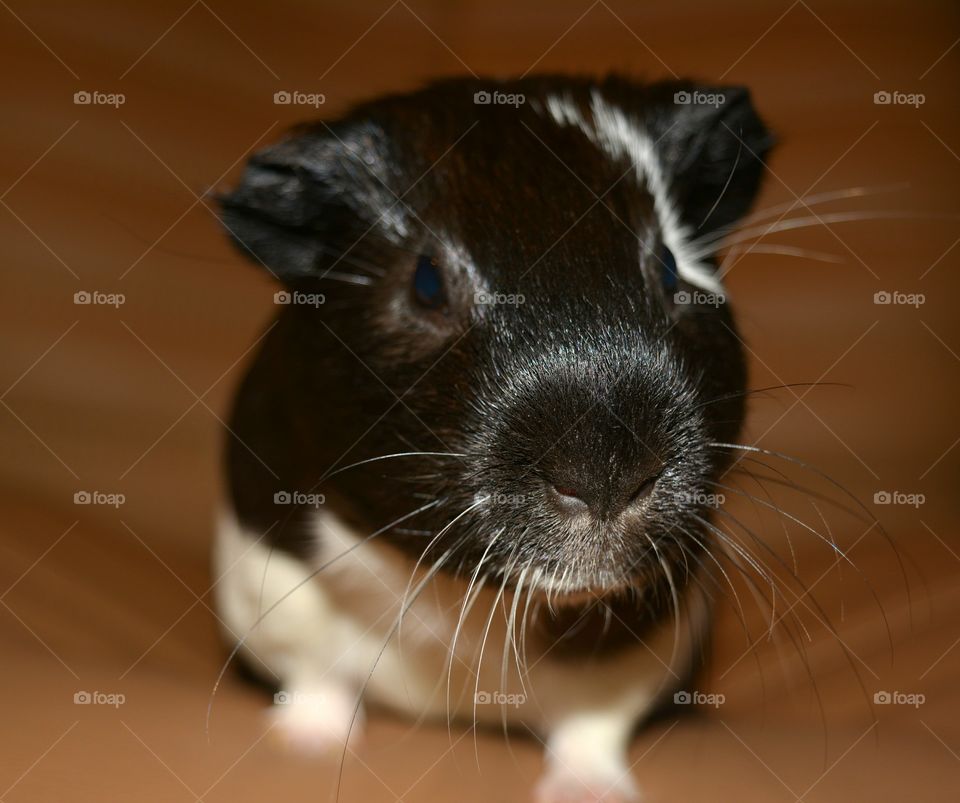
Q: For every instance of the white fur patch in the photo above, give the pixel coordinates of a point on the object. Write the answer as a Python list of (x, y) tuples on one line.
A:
[(610, 129), (329, 635)]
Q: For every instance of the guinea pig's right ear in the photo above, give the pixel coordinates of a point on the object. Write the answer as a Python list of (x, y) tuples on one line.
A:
[(714, 145), (288, 204)]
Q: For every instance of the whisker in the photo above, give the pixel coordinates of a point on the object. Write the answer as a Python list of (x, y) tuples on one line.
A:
[(388, 457), (665, 567), (483, 644), (430, 574), (780, 520), (512, 633), (465, 612), (785, 481), (808, 221), (239, 645), (821, 616), (836, 550), (739, 250), (827, 478), (818, 198), (468, 603), (523, 628), (766, 390), (429, 546)]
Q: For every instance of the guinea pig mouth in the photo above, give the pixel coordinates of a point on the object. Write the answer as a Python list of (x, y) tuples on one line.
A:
[(573, 594), (600, 570)]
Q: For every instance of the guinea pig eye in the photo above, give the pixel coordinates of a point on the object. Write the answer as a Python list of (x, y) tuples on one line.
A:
[(428, 283), (668, 269)]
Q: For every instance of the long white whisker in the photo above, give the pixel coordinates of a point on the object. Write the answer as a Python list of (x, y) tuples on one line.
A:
[(809, 221), (483, 643), (783, 250), (430, 574), (674, 596), (465, 609), (820, 198), (387, 457), (237, 647), (510, 640), (423, 554)]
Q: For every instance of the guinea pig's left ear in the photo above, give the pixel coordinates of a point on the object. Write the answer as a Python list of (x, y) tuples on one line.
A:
[(289, 204), (713, 145)]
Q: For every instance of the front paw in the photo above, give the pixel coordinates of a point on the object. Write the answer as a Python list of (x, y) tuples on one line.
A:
[(317, 722), (565, 785)]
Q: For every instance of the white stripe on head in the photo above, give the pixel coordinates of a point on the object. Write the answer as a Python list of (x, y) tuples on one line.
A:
[(611, 130)]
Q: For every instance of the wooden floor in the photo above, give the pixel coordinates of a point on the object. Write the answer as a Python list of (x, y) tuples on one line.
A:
[(127, 400)]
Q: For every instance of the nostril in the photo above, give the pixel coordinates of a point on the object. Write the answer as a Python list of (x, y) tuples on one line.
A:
[(645, 489), (568, 494)]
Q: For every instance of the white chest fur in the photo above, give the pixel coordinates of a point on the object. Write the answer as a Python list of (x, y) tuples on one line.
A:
[(329, 630)]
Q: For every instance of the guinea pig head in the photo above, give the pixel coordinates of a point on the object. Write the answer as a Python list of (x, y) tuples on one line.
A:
[(510, 350)]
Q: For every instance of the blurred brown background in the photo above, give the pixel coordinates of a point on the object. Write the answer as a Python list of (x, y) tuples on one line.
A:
[(127, 399)]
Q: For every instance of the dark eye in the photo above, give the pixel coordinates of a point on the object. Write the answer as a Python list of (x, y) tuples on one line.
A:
[(668, 269), (428, 283)]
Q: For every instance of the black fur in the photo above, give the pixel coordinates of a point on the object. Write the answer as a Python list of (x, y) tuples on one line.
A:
[(598, 382)]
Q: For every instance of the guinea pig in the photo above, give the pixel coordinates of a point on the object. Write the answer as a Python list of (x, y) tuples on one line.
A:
[(468, 464)]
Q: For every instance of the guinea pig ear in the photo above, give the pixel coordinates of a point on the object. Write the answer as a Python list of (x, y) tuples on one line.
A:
[(288, 204), (713, 145)]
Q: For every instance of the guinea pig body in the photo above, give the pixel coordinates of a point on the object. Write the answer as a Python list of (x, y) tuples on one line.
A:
[(471, 464)]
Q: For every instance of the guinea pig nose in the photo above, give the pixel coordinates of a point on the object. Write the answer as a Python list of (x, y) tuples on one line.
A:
[(605, 497)]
